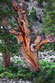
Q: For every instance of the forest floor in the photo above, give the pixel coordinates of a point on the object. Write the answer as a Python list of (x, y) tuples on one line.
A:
[(14, 81)]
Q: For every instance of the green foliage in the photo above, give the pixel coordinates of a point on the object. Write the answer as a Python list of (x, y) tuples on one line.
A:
[(11, 40), (5, 9), (7, 75), (31, 17), (13, 68), (49, 25), (5, 13), (2, 69), (51, 5), (24, 73), (5, 1), (44, 75), (40, 2), (48, 73), (11, 43)]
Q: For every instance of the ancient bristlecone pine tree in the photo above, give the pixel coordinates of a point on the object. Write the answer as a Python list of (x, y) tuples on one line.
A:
[(28, 50)]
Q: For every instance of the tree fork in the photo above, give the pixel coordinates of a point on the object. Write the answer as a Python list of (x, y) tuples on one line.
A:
[(29, 51)]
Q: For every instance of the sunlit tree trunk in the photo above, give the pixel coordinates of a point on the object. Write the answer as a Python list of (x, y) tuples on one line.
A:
[(28, 50)]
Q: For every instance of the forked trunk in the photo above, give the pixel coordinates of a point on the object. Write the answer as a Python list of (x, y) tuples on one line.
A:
[(28, 50), (31, 58)]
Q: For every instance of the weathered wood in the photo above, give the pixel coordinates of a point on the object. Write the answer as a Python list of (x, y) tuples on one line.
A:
[(29, 51)]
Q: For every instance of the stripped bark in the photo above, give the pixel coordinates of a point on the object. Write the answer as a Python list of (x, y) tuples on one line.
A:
[(28, 50)]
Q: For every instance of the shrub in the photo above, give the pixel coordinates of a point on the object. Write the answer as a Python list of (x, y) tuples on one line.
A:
[(7, 75), (2, 69), (44, 75), (49, 25)]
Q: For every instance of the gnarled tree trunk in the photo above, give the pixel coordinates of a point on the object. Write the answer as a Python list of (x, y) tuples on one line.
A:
[(28, 50)]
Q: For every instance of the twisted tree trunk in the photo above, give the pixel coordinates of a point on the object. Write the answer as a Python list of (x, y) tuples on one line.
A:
[(28, 50)]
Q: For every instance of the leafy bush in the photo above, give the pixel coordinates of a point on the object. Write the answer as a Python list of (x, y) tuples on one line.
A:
[(2, 69), (7, 75), (46, 74), (24, 73), (13, 68), (49, 25)]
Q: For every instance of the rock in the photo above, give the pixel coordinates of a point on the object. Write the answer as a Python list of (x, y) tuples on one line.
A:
[(13, 82), (40, 15), (53, 60), (47, 56), (0, 53), (5, 80)]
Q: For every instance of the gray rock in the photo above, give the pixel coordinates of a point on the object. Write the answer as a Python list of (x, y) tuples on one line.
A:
[(47, 56)]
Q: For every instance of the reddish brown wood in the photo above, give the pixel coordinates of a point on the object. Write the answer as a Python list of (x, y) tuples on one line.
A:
[(29, 51)]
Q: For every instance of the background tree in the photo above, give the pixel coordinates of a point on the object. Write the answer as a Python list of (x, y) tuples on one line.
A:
[(8, 44)]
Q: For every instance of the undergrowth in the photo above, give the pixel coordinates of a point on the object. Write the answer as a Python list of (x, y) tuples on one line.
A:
[(46, 73)]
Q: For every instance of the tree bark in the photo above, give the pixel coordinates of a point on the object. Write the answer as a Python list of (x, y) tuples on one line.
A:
[(6, 55), (28, 50), (6, 59)]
